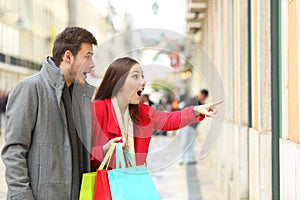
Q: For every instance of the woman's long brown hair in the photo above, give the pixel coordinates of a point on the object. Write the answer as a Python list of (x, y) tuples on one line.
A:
[(113, 81)]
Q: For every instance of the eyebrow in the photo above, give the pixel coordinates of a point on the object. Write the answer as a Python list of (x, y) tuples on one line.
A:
[(138, 71)]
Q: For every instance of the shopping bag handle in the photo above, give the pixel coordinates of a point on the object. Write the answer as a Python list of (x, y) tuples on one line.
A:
[(108, 156), (129, 159), (121, 162)]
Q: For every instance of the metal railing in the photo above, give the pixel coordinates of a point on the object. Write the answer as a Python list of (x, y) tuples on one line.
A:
[(19, 62)]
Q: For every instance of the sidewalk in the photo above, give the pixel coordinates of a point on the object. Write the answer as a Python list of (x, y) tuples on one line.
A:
[(181, 182)]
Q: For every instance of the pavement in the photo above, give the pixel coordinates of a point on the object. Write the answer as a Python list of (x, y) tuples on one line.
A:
[(180, 182), (173, 181)]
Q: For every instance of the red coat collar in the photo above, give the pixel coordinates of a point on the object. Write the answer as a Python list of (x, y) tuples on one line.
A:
[(113, 125)]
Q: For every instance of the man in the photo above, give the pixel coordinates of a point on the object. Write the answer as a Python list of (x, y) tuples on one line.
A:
[(146, 100), (187, 134), (44, 154)]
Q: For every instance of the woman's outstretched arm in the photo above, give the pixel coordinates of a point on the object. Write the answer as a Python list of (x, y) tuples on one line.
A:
[(178, 119)]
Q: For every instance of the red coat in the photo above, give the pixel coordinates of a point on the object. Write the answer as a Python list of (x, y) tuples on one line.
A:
[(105, 127)]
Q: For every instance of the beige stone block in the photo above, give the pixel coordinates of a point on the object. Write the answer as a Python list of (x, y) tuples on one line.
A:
[(289, 170), (265, 166), (235, 187), (229, 161), (243, 162), (253, 165), (226, 158), (260, 168)]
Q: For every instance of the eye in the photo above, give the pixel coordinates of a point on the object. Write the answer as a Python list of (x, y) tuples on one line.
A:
[(135, 76), (88, 56)]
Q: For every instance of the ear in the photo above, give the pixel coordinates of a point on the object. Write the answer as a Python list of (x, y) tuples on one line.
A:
[(68, 56)]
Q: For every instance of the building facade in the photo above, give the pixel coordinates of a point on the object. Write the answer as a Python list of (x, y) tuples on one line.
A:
[(27, 30), (254, 45)]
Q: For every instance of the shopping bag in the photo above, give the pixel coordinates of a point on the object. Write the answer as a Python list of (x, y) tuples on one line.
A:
[(88, 183), (87, 186), (129, 183), (102, 189)]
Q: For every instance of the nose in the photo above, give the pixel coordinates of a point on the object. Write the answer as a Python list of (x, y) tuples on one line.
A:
[(143, 82), (92, 64)]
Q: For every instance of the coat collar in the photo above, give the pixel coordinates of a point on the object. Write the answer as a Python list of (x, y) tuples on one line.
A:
[(55, 77), (112, 126), (85, 89), (53, 74)]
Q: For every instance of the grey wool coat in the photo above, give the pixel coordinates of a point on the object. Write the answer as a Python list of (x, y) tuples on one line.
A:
[(37, 153)]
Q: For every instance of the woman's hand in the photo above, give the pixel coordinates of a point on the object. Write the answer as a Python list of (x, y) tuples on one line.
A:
[(207, 109), (125, 145), (108, 144)]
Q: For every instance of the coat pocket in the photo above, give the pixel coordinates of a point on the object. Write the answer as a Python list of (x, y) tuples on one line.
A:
[(57, 161)]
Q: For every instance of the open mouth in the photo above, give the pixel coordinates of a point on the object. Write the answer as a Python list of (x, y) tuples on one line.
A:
[(139, 92)]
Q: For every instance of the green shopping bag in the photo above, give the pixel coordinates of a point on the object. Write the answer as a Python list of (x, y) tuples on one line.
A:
[(88, 183), (88, 186), (130, 183)]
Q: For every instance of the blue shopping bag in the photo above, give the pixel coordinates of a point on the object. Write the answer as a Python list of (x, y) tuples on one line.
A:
[(130, 183)]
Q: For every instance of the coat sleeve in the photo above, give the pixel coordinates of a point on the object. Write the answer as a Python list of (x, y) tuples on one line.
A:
[(21, 117), (173, 120)]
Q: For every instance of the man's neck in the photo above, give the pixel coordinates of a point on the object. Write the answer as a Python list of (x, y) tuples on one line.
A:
[(68, 78)]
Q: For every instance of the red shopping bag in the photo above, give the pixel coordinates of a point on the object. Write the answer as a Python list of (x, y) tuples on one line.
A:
[(102, 189)]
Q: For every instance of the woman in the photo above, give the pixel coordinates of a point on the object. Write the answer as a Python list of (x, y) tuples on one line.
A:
[(119, 114)]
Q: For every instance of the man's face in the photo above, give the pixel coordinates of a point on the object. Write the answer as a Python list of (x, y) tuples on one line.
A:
[(83, 63), (202, 98)]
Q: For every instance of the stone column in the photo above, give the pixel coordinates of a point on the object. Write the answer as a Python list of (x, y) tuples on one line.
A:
[(260, 133)]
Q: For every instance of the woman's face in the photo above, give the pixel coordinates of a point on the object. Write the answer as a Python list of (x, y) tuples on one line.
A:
[(134, 85)]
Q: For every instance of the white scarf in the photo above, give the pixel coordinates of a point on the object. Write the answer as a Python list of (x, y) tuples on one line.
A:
[(126, 126)]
